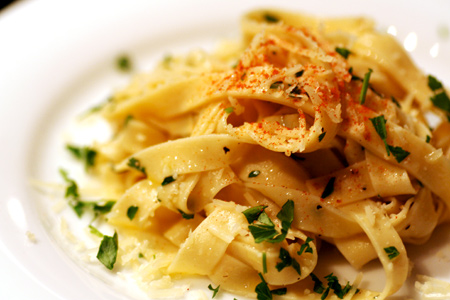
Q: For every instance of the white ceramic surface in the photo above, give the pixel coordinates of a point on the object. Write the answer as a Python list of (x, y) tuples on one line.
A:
[(56, 60)]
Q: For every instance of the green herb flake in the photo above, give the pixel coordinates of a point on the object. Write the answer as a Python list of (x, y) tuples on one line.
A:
[(276, 85), (333, 284), (104, 208), (398, 153), (264, 262), (254, 173), (167, 180), (395, 102), (434, 84), (329, 188), (321, 136), (215, 290), (127, 120), (442, 101), (252, 214), (299, 73), (85, 154), (107, 252), (286, 261), (185, 215), (365, 86), (264, 230), (262, 290), (279, 292), (306, 247), (319, 288), (123, 63), (344, 52), (72, 193), (229, 110), (270, 18), (141, 255), (131, 212), (391, 252), (136, 164), (428, 139), (379, 123), (95, 231)]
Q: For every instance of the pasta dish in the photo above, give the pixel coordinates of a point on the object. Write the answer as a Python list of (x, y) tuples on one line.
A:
[(240, 164)]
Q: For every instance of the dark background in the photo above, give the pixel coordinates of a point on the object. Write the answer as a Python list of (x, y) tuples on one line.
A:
[(5, 3)]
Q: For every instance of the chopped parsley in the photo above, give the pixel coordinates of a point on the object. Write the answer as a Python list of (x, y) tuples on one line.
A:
[(276, 84), (329, 188), (85, 154), (306, 247), (264, 262), (379, 123), (287, 261), (395, 101), (365, 86), (252, 214), (398, 153), (344, 52), (131, 212), (391, 252), (226, 150), (229, 110), (185, 215), (440, 98), (141, 255), (270, 18), (253, 173), (136, 164), (299, 73), (264, 293), (105, 208), (123, 63), (95, 231), (321, 136), (333, 285), (264, 229), (215, 290), (167, 180), (107, 252), (428, 139)]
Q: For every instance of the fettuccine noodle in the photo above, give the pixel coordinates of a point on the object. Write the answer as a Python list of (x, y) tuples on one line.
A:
[(275, 120)]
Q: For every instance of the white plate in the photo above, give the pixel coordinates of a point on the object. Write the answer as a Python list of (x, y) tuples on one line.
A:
[(57, 59)]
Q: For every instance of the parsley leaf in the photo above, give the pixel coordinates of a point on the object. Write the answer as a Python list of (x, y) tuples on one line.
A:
[(280, 291), (95, 231), (105, 208), (229, 110), (136, 164), (344, 52), (131, 212), (123, 63), (329, 188), (85, 154), (276, 84), (264, 262), (442, 101), (319, 288), (185, 215), (395, 101), (392, 252), (252, 214), (333, 283), (253, 173), (167, 180), (287, 261), (434, 84), (365, 86), (264, 293), (321, 136), (306, 247), (264, 230), (270, 18), (107, 252), (215, 290), (398, 153), (428, 139)]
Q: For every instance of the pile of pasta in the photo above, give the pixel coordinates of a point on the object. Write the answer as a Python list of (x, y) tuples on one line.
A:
[(243, 162)]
